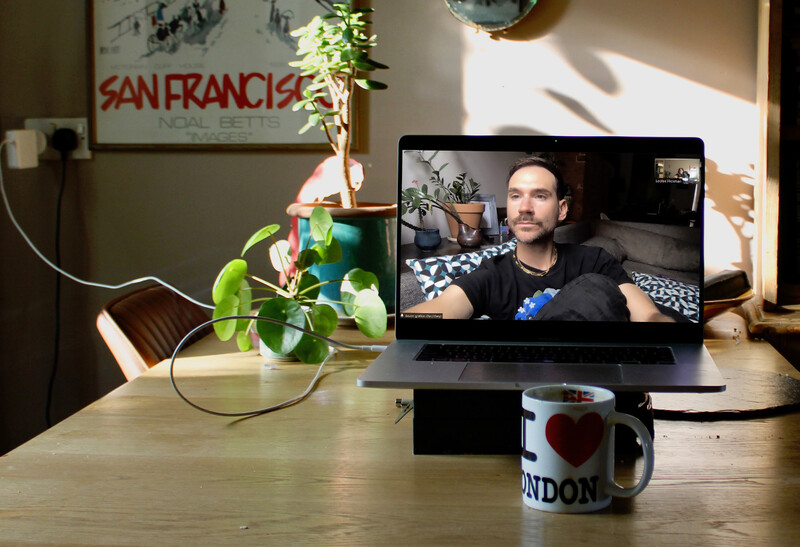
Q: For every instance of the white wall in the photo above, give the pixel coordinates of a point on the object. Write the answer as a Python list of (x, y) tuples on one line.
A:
[(611, 67)]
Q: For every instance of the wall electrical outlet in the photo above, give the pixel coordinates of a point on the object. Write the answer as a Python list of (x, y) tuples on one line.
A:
[(48, 126)]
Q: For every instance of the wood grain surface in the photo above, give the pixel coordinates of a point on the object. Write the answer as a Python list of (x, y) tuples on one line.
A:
[(141, 467)]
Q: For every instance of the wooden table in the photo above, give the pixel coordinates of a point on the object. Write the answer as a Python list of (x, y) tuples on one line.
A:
[(141, 467)]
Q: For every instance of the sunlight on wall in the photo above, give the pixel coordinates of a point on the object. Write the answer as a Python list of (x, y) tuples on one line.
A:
[(543, 88)]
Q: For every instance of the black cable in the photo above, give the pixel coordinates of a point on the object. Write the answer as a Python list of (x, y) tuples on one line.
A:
[(57, 303), (64, 140), (724, 415)]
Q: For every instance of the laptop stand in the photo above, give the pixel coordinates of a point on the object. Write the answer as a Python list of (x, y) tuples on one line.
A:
[(467, 422), (490, 422)]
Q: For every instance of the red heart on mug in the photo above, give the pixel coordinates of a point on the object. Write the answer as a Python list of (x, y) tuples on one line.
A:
[(575, 442)]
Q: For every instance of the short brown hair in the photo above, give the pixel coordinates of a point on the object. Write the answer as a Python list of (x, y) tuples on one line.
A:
[(537, 161)]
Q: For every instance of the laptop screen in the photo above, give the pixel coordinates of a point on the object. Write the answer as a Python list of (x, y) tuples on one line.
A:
[(630, 215)]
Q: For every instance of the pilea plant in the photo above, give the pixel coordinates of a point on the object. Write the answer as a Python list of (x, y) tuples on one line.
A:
[(297, 302)]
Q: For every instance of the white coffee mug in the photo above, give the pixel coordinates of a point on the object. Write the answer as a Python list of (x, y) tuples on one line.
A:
[(568, 448)]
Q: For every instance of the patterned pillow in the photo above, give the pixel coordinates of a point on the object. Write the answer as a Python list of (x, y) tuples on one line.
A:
[(682, 297), (436, 273)]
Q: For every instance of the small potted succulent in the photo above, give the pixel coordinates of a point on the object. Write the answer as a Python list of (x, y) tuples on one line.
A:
[(298, 302)]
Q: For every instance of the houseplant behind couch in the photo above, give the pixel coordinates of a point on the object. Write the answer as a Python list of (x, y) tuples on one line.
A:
[(335, 51), (456, 196), (453, 198)]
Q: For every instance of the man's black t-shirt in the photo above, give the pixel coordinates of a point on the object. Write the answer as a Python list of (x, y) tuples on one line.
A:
[(498, 287)]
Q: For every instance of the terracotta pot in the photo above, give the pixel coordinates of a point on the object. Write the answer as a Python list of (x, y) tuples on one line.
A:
[(470, 213)]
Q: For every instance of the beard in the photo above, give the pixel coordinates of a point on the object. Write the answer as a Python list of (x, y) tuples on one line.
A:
[(540, 231)]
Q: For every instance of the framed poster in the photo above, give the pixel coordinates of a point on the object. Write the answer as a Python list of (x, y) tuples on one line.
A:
[(198, 73)]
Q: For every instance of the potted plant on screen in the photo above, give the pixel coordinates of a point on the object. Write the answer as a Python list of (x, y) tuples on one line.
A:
[(335, 58), (299, 301), (427, 239), (453, 198)]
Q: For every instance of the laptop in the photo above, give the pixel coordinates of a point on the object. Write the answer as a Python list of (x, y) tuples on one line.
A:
[(638, 198)]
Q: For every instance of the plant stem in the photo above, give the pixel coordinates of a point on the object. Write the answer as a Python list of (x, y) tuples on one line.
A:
[(449, 209), (409, 225), (348, 193), (279, 291), (320, 284)]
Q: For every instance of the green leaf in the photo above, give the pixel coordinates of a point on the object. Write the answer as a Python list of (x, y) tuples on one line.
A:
[(376, 64), (311, 350), (306, 282), (361, 65), (312, 97), (323, 321), (347, 35), (245, 296), (321, 224), (243, 341), (233, 304), (356, 280), (370, 313), (316, 87), (371, 85), (350, 54), (299, 105), (226, 307), (328, 254), (280, 255), (281, 338), (305, 128), (309, 70), (260, 235), (229, 280), (306, 258)]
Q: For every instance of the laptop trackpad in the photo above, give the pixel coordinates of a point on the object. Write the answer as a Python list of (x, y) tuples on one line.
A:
[(546, 373)]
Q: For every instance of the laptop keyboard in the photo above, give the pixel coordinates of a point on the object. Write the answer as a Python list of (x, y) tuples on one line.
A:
[(497, 353)]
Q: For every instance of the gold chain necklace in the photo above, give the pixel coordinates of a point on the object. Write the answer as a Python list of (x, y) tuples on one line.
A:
[(533, 272)]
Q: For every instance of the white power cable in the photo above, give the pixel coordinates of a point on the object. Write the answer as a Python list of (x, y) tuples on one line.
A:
[(69, 275), (278, 406)]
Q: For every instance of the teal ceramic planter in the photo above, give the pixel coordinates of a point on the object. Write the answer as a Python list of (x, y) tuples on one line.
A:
[(427, 239), (368, 236)]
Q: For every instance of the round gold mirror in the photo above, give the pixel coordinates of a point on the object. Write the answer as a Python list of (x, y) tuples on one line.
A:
[(490, 15)]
